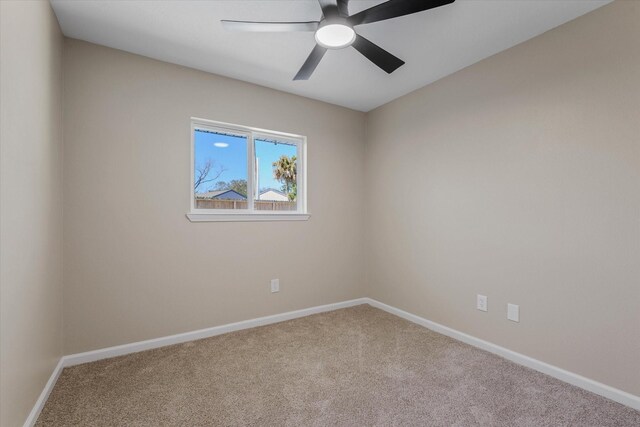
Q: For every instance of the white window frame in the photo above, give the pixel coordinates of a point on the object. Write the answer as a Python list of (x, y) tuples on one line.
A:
[(249, 214)]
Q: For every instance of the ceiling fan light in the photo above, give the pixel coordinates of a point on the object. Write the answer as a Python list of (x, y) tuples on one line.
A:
[(335, 36)]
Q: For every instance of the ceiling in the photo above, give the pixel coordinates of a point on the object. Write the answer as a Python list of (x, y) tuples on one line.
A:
[(433, 43)]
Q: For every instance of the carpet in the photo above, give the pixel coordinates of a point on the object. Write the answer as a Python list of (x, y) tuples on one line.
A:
[(349, 367)]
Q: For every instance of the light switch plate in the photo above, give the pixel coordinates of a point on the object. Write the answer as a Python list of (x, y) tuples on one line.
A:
[(275, 285), (513, 312)]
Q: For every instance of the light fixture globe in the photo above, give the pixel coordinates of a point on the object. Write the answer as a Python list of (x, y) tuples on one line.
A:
[(335, 35)]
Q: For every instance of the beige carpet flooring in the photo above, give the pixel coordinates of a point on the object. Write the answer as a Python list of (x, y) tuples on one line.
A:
[(356, 366)]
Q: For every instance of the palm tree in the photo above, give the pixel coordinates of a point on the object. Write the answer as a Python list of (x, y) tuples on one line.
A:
[(285, 170)]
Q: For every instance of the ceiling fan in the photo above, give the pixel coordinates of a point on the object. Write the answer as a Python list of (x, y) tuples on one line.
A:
[(336, 30)]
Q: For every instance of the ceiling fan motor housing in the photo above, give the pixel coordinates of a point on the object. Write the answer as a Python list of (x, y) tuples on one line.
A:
[(335, 33)]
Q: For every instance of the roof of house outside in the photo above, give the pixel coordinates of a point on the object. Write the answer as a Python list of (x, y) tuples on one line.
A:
[(266, 190), (221, 194)]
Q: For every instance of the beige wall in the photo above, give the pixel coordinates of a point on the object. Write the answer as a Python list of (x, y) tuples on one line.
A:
[(135, 267), (30, 204), (519, 178)]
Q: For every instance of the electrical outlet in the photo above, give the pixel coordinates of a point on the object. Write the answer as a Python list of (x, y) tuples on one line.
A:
[(481, 303), (513, 312), (275, 285)]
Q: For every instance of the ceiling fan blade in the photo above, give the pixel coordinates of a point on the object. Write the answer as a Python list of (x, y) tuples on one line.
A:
[(393, 9), (377, 55), (332, 8), (252, 26), (343, 7), (311, 63), (329, 8)]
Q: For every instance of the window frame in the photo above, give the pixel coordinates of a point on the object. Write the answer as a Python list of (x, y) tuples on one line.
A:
[(250, 214)]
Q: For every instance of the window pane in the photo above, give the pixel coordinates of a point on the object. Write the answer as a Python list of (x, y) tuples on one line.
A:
[(220, 170), (277, 180)]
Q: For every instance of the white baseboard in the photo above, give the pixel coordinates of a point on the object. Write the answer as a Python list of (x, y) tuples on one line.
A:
[(604, 390), (120, 350), (105, 353), (42, 399)]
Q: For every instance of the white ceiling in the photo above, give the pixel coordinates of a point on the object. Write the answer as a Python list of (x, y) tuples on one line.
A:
[(433, 44)]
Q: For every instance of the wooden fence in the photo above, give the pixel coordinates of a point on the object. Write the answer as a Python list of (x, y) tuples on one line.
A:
[(259, 205)]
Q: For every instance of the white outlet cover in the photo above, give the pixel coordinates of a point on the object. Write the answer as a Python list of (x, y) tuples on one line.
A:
[(481, 302), (275, 285), (513, 312)]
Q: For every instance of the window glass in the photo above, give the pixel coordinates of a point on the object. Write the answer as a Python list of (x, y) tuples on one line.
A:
[(220, 170), (276, 186), (239, 171)]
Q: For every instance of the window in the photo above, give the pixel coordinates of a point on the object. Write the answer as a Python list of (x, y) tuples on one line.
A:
[(241, 173)]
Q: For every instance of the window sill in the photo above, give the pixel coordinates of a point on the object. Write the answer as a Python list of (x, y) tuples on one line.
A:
[(244, 217)]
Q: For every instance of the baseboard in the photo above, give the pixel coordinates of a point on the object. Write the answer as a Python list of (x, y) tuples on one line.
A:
[(105, 353), (604, 390), (42, 399), (120, 350)]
